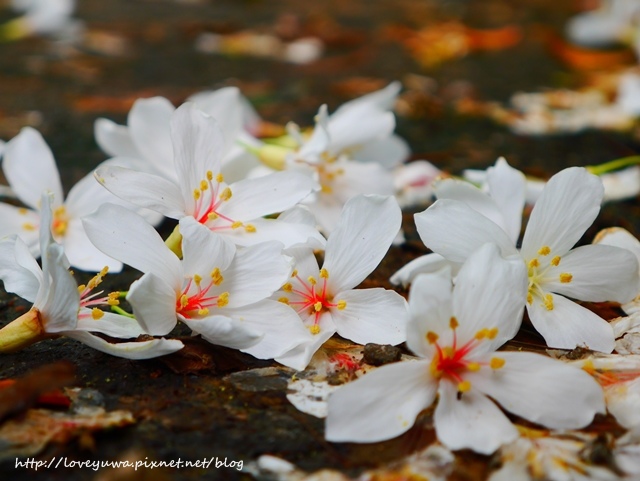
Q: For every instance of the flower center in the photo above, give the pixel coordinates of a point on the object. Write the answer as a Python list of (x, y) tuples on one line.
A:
[(88, 300), (60, 221), (307, 296), (195, 299), (327, 175), (453, 362), (541, 270), (209, 196)]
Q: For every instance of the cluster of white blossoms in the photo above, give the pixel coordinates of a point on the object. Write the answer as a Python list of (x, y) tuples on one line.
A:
[(274, 236)]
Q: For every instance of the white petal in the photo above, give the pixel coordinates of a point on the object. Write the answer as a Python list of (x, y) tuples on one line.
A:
[(81, 252), (619, 237), (430, 309), (58, 302), (290, 235), (126, 236), (111, 324), (353, 178), (472, 422), (128, 350), (19, 271), (568, 205), (371, 315), (475, 198), (383, 99), (149, 129), (507, 187), (23, 222), (389, 152), (279, 324), (255, 273), (427, 264), (224, 331), (203, 250), (198, 147), (273, 193), (154, 304), (542, 390), (569, 325), (114, 140), (622, 402), (490, 292), (143, 189), (358, 245), (359, 126), (298, 358), (86, 196), (380, 405), (454, 230), (226, 106), (30, 168), (600, 273)]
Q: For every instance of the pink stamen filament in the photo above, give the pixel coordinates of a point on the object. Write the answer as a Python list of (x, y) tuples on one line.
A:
[(311, 298), (202, 209), (197, 301)]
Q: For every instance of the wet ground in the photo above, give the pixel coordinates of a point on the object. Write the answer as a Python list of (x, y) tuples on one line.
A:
[(205, 402)]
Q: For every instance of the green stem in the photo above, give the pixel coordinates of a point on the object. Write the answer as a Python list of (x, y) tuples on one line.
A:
[(174, 242), (122, 312), (122, 294), (612, 165)]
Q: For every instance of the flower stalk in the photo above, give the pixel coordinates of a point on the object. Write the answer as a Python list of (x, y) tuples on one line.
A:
[(22, 332)]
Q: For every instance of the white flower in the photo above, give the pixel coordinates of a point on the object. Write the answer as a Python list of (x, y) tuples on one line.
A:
[(30, 169), (217, 291), (325, 298), (147, 135), (42, 17), (612, 23), (60, 306), (464, 218), (234, 211), (456, 333)]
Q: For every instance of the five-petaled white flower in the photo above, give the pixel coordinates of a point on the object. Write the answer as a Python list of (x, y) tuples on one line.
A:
[(234, 211), (464, 218), (31, 170), (60, 306), (219, 292), (456, 333), (325, 298)]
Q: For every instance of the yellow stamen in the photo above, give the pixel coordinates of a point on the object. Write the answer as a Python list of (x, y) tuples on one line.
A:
[(81, 288), (544, 251), (548, 302), (312, 280), (196, 194), (22, 211), (216, 276), (473, 366), (534, 262), (28, 226), (325, 189), (203, 312), (342, 304), (96, 313), (318, 306), (565, 277), (529, 298), (497, 362), (464, 386), (315, 329), (209, 175), (324, 273), (481, 334), (236, 224), (555, 261), (492, 333), (197, 279), (219, 178), (432, 337), (287, 287), (294, 273), (284, 300), (453, 323), (112, 298), (226, 194), (223, 299), (250, 228), (212, 216), (184, 300), (203, 185)]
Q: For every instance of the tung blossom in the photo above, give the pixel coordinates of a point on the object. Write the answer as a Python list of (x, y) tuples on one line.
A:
[(30, 169), (61, 307), (325, 298), (198, 189), (464, 218), (219, 292), (456, 334)]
